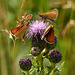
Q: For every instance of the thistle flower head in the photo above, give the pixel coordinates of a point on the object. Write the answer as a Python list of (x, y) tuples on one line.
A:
[(37, 42), (54, 56), (37, 27), (25, 64), (36, 30)]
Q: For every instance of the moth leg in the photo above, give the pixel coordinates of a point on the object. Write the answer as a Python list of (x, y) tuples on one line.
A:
[(23, 41)]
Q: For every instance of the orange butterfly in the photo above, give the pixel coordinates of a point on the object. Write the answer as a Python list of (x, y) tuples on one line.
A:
[(51, 15), (21, 30), (25, 18), (48, 35)]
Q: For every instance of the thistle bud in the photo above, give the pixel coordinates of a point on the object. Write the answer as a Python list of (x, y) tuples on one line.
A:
[(54, 56), (25, 64)]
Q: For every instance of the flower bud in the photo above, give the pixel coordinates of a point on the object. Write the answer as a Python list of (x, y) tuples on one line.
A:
[(35, 51), (25, 64), (54, 56)]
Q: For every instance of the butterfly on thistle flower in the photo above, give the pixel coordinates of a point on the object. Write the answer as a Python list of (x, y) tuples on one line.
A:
[(21, 30), (51, 15), (48, 34)]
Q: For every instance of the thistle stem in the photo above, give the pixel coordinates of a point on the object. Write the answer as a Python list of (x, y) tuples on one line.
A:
[(39, 61), (51, 71), (27, 72), (42, 67)]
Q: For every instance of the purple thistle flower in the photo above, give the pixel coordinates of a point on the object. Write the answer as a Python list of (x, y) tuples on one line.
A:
[(37, 27), (36, 30)]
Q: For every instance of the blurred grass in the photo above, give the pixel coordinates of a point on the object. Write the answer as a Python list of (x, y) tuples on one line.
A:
[(9, 10)]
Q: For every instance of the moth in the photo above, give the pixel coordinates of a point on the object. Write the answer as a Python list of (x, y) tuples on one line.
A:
[(51, 15), (21, 30), (48, 34)]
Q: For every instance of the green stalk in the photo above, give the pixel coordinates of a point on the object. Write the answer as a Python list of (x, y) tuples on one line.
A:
[(39, 61), (13, 62), (27, 72), (52, 69)]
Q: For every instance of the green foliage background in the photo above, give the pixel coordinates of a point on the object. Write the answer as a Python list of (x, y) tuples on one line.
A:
[(9, 11)]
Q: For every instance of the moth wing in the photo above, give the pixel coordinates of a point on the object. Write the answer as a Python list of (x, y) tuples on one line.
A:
[(25, 15), (52, 15), (54, 11), (45, 32), (13, 31), (28, 17), (50, 37), (22, 31)]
